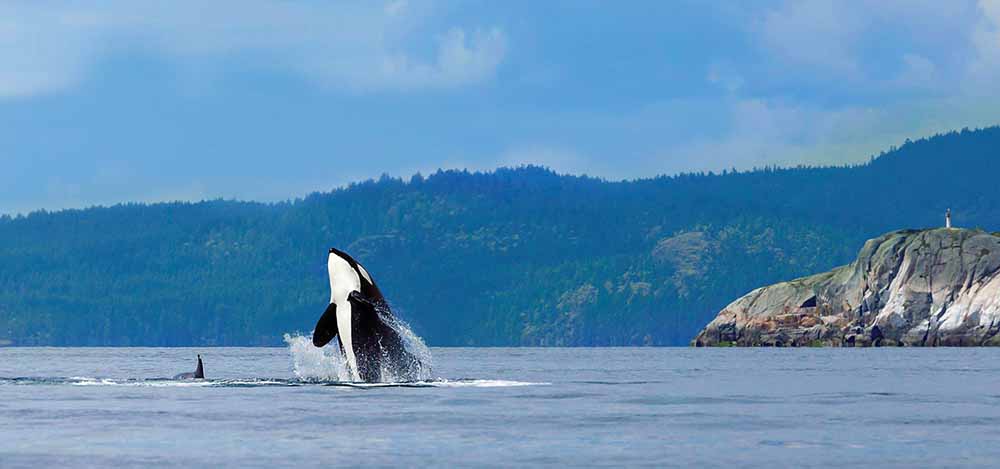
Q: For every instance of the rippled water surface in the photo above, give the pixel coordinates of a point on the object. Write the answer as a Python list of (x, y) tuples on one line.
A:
[(86, 407)]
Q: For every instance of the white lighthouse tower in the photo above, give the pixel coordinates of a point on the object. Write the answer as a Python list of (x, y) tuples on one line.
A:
[(947, 219)]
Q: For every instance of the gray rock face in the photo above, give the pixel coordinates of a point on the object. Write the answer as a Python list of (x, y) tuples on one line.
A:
[(921, 288)]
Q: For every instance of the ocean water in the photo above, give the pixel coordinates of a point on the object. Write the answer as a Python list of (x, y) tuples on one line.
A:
[(524, 407)]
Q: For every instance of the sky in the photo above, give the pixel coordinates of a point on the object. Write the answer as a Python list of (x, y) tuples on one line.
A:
[(114, 101)]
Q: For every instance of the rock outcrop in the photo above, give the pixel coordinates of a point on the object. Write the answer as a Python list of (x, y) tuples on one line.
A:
[(936, 287)]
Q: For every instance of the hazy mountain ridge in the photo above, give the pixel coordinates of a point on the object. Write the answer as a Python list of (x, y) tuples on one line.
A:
[(515, 256)]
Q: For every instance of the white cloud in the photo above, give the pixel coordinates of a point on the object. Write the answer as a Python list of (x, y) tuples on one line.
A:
[(459, 60), (918, 72), (360, 46), (873, 45), (838, 81), (813, 33), (780, 133), (725, 75), (34, 60), (984, 70), (396, 7)]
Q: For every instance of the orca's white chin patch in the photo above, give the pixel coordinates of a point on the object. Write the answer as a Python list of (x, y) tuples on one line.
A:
[(343, 281), (346, 344)]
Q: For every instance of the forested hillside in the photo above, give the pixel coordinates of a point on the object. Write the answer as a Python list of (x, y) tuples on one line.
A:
[(511, 257)]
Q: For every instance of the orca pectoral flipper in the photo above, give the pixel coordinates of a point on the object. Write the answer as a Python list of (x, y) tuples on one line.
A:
[(356, 297), (326, 327)]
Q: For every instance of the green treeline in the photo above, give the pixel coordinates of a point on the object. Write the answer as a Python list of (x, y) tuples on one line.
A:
[(512, 257)]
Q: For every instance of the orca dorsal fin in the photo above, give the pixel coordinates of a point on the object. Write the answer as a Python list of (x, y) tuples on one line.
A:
[(199, 373)]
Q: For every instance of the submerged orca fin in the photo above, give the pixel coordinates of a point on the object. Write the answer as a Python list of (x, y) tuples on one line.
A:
[(326, 327)]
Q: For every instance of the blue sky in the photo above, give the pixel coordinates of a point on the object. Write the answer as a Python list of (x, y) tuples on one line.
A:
[(118, 100)]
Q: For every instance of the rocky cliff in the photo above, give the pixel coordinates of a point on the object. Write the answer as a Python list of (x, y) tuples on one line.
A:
[(911, 287)]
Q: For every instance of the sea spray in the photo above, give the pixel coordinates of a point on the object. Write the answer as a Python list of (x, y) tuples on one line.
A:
[(328, 364), (316, 364), (419, 367)]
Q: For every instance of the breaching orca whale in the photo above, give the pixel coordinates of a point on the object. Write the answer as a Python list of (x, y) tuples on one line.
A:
[(359, 317), (199, 372)]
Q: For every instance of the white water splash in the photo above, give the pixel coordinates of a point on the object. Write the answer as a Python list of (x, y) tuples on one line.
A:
[(420, 368), (264, 382), (316, 364), (328, 364), (142, 383), (482, 383)]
